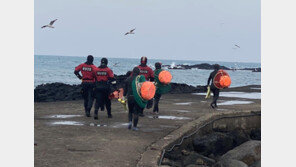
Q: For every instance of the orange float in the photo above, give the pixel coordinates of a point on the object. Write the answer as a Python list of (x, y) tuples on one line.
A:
[(147, 90), (225, 81), (118, 94), (222, 79), (165, 77)]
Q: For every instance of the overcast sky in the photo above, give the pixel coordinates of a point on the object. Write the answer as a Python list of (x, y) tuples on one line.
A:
[(204, 30)]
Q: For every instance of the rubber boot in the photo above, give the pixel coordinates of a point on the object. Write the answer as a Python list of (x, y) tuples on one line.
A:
[(87, 112), (129, 125), (96, 115), (109, 113)]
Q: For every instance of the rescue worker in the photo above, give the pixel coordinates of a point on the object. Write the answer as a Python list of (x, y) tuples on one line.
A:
[(87, 84), (133, 107), (148, 73), (104, 79), (215, 90)]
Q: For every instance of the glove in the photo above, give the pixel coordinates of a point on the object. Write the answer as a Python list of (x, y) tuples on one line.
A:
[(208, 92)]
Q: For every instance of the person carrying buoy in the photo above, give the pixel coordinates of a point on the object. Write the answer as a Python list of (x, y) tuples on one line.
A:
[(162, 80), (87, 84), (137, 91), (104, 80), (220, 80), (147, 72)]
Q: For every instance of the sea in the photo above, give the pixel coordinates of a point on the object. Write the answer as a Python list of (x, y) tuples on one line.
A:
[(50, 69)]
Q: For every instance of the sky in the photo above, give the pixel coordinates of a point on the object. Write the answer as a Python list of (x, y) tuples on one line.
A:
[(205, 30)]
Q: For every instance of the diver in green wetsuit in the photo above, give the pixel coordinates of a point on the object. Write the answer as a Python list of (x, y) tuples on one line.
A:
[(160, 88)]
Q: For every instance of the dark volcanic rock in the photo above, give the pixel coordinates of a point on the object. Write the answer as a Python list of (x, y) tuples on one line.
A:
[(255, 134), (205, 66), (184, 88), (197, 159), (216, 143), (57, 92), (65, 92)]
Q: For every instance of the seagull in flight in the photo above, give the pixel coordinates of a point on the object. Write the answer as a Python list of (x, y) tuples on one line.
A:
[(130, 32), (237, 46), (50, 24)]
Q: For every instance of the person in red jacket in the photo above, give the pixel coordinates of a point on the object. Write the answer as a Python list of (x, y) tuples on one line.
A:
[(146, 70), (104, 80), (88, 81), (149, 76)]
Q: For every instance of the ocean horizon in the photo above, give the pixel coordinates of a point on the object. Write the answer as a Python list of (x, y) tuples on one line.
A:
[(52, 68)]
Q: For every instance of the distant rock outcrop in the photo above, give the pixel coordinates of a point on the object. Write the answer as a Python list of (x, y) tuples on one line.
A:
[(206, 66)]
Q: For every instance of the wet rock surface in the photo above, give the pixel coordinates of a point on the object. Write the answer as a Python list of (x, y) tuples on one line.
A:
[(64, 92), (248, 152)]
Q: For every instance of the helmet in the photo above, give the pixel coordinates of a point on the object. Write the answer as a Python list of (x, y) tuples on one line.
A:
[(144, 60), (104, 61)]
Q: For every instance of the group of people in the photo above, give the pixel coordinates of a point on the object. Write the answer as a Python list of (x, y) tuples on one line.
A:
[(99, 82)]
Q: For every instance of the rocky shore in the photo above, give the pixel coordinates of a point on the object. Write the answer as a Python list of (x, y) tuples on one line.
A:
[(235, 148), (64, 92)]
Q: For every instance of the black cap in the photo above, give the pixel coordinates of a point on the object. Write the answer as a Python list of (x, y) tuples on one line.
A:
[(104, 61), (158, 65), (136, 71), (90, 59)]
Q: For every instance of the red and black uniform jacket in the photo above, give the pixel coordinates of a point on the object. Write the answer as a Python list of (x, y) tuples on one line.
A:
[(86, 71), (147, 72), (104, 77)]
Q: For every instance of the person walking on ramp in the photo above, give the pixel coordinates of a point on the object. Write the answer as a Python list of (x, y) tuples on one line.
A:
[(104, 80), (87, 84), (162, 80), (138, 92), (147, 72)]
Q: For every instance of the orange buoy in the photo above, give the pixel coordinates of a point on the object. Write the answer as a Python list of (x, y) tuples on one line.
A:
[(147, 90), (165, 77), (222, 79), (225, 81), (118, 94)]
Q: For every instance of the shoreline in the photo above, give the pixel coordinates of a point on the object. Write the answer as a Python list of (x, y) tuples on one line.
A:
[(51, 92)]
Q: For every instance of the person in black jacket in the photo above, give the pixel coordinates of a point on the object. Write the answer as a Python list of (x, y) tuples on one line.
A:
[(215, 90), (133, 107)]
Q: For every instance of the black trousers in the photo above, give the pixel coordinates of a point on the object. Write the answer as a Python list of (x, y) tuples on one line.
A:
[(133, 110), (102, 98), (156, 101), (216, 95), (87, 94)]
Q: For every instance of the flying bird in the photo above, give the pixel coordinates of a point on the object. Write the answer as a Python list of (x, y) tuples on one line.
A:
[(130, 32), (237, 46), (50, 24)]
